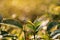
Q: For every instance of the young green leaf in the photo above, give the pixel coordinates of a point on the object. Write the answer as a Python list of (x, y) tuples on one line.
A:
[(37, 23), (31, 26)]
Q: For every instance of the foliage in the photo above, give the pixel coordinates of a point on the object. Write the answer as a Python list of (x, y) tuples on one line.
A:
[(50, 25), (27, 9), (33, 26), (12, 22)]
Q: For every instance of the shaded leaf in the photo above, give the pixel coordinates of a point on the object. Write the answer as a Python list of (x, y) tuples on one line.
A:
[(3, 32), (54, 33), (51, 24), (1, 18), (58, 27), (12, 22)]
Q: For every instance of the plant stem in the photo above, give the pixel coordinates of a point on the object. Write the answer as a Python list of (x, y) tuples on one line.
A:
[(25, 35), (34, 36)]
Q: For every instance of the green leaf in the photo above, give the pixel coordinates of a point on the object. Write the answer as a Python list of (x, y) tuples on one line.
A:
[(22, 38), (12, 22), (55, 32), (30, 23), (31, 26), (58, 26), (51, 24), (37, 23), (4, 32)]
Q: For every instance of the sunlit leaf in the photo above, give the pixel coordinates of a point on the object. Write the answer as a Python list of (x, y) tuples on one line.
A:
[(30, 23), (31, 26), (37, 23)]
